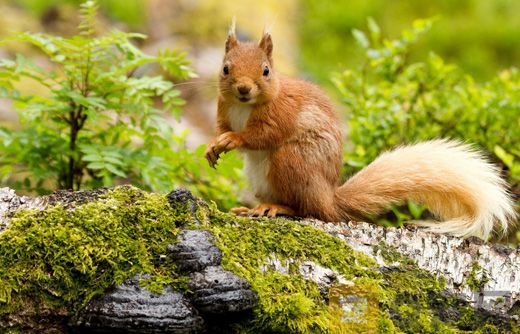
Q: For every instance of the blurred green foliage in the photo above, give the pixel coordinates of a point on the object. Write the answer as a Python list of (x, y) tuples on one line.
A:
[(101, 121), (481, 36), (128, 11), (391, 100)]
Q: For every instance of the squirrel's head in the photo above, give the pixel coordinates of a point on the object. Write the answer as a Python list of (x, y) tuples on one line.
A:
[(247, 75)]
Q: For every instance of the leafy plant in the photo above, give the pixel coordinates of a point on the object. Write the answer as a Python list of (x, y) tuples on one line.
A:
[(102, 116), (391, 101)]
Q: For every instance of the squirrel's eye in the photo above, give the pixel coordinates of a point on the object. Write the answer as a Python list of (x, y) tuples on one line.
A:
[(225, 70), (266, 71)]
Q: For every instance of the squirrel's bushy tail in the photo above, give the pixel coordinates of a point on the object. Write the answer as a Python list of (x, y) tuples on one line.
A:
[(454, 181)]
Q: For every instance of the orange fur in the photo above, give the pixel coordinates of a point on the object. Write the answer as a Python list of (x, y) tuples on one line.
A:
[(292, 144)]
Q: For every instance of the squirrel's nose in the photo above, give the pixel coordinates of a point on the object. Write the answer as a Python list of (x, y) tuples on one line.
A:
[(244, 89)]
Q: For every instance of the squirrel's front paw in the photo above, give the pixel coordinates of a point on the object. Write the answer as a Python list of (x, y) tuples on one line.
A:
[(210, 154), (225, 142)]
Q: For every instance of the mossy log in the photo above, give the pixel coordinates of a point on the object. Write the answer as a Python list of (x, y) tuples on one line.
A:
[(123, 260)]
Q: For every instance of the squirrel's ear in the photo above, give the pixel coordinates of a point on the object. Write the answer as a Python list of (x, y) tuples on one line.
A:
[(266, 44), (231, 40)]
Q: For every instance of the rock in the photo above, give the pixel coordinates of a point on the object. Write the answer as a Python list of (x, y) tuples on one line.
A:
[(218, 291), (195, 251), (131, 309)]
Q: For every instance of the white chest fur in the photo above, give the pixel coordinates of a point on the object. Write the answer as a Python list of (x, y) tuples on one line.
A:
[(256, 163), (238, 116), (256, 167)]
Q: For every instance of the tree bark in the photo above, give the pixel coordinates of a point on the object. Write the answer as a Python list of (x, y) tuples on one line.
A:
[(496, 267)]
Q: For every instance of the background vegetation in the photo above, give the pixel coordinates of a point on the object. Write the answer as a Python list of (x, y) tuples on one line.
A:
[(396, 77), (479, 36)]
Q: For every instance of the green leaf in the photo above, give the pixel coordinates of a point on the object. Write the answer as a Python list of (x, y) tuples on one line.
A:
[(113, 160), (375, 31), (96, 165), (92, 157), (373, 27), (505, 157), (415, 209), (113, 169), (361, 38)]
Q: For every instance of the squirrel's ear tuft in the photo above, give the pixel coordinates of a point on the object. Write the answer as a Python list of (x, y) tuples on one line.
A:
[(231, 40), (266, 44)]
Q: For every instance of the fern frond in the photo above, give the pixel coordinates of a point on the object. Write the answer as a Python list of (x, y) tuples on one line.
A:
[(88, 12), (175, 63), (46, 43)]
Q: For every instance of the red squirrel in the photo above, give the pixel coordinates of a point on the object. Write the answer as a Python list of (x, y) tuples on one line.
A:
[(291, 140)]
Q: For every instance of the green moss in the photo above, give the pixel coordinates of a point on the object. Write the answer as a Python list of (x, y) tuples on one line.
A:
[(288, 303), (477, 278), (398, 299), (408, 290), (391, 256), (60, 259)]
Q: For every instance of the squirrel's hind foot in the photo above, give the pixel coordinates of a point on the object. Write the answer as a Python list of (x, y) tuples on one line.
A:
[(264, 209)]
